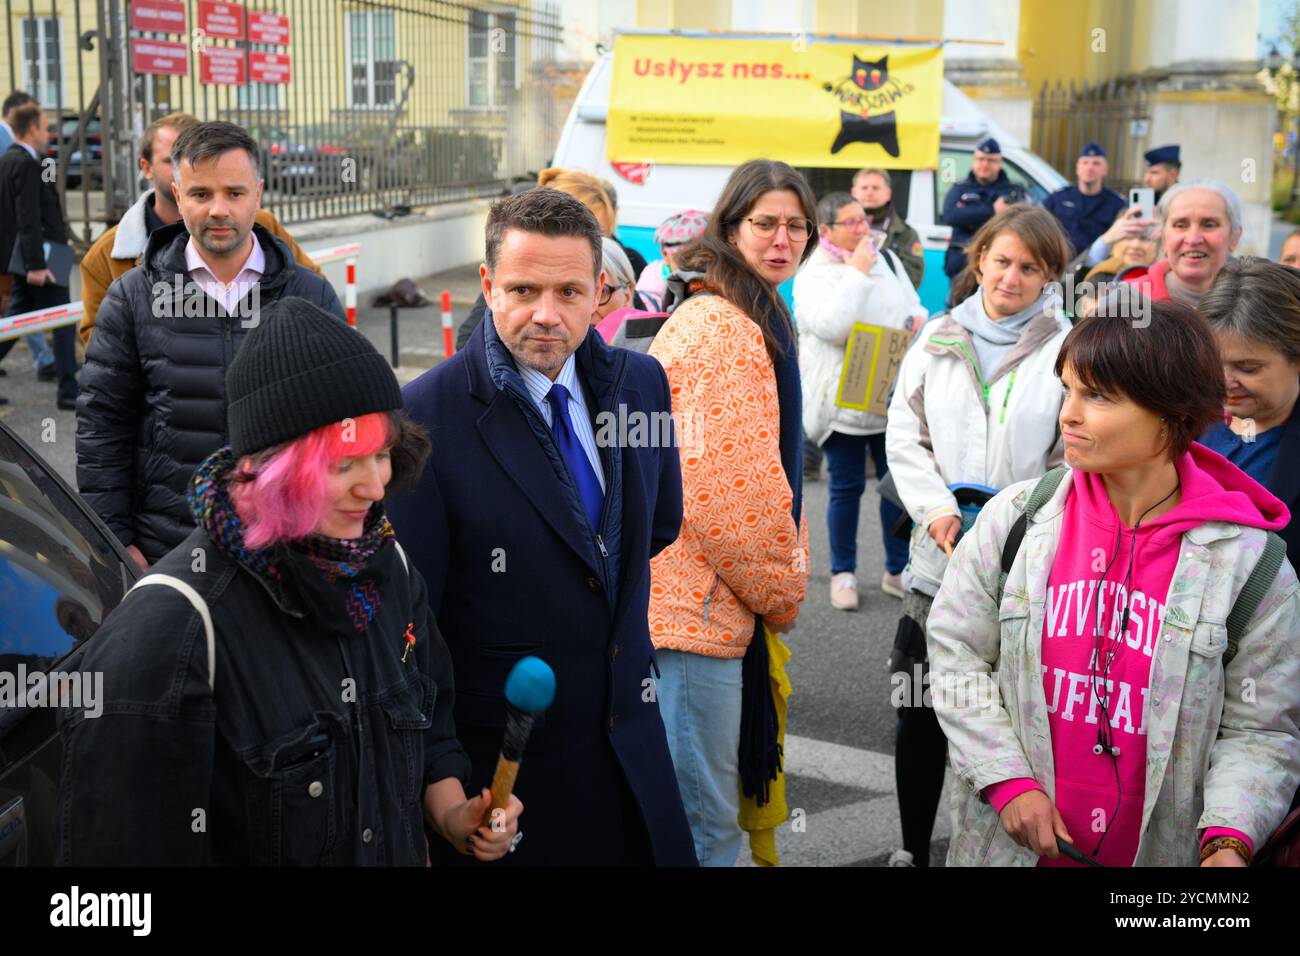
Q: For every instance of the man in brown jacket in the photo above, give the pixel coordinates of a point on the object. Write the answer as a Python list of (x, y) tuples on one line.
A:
[(119, 249)]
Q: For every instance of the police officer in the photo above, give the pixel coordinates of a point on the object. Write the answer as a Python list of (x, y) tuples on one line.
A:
[(1086, 209), (974, 201), (1163, 167)]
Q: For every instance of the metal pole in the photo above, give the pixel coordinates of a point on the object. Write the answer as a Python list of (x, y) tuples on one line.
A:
[(1295, 150), (392, 333), (1295, 167)]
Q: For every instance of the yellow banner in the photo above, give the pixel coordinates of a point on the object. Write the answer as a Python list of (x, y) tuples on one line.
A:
[(705, 102)]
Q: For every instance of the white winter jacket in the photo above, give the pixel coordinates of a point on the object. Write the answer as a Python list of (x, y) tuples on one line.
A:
[(948, 425), (829, 297)]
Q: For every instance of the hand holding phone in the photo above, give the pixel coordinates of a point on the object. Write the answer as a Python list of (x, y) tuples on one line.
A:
[(1144, 198)]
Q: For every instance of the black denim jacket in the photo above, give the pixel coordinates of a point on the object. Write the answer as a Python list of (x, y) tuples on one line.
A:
[(314, 748)]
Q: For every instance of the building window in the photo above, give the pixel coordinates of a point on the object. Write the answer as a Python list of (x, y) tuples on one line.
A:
[(372, 55), (259, 96), (42, 70), (491, 68)]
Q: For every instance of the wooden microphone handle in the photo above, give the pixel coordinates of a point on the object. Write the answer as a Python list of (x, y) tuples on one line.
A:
[(503, 784)]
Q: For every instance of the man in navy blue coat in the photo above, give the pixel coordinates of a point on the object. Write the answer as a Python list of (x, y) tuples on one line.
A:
[(974, 201), (1086, 209), (534, 524)]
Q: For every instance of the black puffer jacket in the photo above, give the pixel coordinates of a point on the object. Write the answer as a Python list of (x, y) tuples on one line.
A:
[(153, 389)]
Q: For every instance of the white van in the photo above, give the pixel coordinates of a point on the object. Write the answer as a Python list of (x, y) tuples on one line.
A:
[(647, 195)]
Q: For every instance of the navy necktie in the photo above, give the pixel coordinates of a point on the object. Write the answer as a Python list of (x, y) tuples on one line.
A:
[(584, 476)]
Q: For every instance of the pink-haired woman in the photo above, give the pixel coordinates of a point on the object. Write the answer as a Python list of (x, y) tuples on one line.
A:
[(284, 698)]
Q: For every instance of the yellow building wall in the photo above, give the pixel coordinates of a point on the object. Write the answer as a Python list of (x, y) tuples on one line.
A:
[(318, 90), (1088, 40), (69, 30), (684, 14), (920, 19)]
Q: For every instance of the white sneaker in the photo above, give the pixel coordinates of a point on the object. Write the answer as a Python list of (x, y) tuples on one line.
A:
[(844, 591), (892, 584), (900, 858)]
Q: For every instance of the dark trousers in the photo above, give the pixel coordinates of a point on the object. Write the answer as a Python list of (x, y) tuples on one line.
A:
[(954, 260), (847, 457), (920, 747), (29, 298)]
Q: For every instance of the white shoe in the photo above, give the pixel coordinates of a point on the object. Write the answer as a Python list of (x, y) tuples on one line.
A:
[(892, 584), (844, 591), (900, 858)]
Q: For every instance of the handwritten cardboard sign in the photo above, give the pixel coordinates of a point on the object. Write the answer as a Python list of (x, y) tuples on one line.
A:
[(871, 362)]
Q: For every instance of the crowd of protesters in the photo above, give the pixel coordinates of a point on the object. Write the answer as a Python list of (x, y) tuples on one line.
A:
[(1087, 467)]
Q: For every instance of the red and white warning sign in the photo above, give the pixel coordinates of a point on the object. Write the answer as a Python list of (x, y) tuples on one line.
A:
[(264, 67), (166, 57), (225, 20), (158, 16), (269, 28), (222, 66)]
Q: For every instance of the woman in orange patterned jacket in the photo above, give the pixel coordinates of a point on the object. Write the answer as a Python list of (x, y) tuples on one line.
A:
[(742, 557)]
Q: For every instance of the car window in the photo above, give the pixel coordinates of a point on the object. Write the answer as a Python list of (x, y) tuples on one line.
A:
[(59, 573), (954, 166)]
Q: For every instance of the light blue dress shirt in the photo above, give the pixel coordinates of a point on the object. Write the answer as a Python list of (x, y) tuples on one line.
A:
[(539, 386)]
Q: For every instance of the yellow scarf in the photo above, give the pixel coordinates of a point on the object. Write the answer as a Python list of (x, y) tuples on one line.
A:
[(761, 822)]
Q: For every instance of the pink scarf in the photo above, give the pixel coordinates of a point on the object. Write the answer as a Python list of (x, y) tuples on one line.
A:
[(841, 255)]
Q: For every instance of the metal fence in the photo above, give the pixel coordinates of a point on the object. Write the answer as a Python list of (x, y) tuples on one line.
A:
[(400, 102), (1114, 113)]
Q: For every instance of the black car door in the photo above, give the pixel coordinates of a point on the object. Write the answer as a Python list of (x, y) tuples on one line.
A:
[(61, 573)]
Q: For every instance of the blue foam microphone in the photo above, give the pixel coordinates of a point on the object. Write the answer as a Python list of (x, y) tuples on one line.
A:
[(530, 689)]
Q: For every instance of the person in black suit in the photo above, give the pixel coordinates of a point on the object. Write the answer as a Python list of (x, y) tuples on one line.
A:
[(533, 525), (30, 215)]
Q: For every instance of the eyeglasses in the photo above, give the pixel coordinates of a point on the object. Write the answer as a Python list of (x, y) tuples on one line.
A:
[(765, 227), (854, 223), (607, 292)]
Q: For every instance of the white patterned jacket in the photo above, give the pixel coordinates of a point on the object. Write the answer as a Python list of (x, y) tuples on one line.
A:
[(1223, 747)]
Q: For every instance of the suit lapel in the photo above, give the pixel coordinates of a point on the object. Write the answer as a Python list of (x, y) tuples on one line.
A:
[(635, 522), (516, 448)]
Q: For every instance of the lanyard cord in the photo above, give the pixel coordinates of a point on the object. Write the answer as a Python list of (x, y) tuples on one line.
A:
[(1105, 730)]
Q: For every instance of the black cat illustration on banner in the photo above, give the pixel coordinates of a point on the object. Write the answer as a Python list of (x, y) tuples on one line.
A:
[(867, 98)]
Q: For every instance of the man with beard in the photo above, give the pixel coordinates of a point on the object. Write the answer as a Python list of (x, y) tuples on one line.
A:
[(119, 249), (152, 402)]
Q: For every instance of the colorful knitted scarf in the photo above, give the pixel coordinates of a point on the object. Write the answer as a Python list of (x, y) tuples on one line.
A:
[(335, 558)]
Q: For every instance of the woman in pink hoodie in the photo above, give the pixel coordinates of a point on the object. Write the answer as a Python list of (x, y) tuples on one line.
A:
[(1105, 712)]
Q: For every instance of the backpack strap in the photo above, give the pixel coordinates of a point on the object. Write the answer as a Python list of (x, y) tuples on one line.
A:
[(1039, 495), (199, 604), (1253, 591)]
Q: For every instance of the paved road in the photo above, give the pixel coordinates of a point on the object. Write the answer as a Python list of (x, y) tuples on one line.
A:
[(840, 735), (840, 743), (841, 726)]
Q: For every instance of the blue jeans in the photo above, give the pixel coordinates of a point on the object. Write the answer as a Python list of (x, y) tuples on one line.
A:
[(42, 356), (699, 699), (846, 458), (29, 298)]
